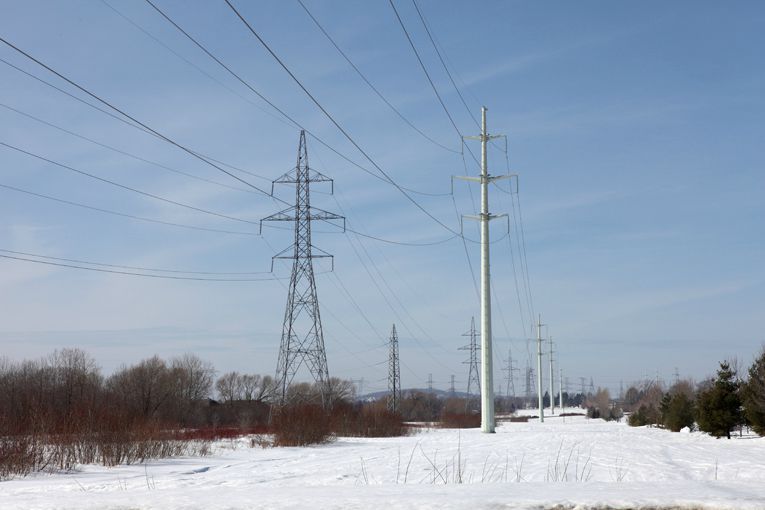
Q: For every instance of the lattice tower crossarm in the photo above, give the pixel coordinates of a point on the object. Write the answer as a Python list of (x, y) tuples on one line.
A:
[(302, 341)]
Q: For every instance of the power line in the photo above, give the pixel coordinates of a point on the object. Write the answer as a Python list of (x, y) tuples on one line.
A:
[(128, 273), (271, 103), (121, 112), (332, 119), (125, 215), (197, 155), (427, 75), (125, 153), (435, 47), (366, 80), (136, 268), (190, 63), (128, 188), (79, 99), (120, 119)]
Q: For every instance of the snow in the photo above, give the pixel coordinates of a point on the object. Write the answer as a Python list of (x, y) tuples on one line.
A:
[(565, 462)]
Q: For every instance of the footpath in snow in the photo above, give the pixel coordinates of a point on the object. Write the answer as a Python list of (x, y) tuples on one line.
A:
[(564, 463)]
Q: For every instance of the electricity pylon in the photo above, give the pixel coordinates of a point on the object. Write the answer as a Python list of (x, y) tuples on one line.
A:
[(474, 381), (510, 378), (529, 384), (394, 373), (302, 340), (430, 383), (451, 386), (487, 363)]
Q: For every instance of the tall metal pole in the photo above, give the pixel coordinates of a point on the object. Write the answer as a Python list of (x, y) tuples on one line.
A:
[(560, 389), (539, 370), (487, 376), (552, 386)]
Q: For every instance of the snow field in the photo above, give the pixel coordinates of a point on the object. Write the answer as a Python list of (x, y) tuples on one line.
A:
[(569, 462)]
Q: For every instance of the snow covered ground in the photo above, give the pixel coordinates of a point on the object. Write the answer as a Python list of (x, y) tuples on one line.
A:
[(563, 463)]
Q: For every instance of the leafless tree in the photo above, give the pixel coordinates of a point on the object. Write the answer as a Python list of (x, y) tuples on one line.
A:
[(229, 386)]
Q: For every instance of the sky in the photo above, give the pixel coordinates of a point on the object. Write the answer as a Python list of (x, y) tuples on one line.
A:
[(636, 131)]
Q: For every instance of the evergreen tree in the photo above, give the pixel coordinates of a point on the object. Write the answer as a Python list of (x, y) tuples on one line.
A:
[(677, 411), (753, 395), (719, 406)]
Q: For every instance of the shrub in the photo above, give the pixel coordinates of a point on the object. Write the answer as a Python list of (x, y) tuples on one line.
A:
[(460, 420), (645, 415), (600, 407), (372, 420), (300, 425)]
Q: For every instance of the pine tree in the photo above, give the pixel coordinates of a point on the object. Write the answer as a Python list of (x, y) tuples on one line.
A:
[(753, 395), (677, 411), (719, 407)]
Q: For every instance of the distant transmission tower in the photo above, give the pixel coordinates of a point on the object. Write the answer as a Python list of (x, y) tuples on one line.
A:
[(510, 377), (394, 373), (529, 384), (452, 391), (430, 383), (474, 381), (302, 335)]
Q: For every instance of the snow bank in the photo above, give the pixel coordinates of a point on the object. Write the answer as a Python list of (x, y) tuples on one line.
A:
[(567, 462)]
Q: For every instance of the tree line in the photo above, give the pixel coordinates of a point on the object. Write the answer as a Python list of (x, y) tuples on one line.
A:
[(718, 406)]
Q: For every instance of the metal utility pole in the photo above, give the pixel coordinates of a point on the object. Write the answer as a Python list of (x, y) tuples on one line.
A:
[(451, 386), (430, 383), (474, 381), (582, 380), (302, 335), (552, 387), (539, 369), (560, 389), (487, 388), (394, 372)]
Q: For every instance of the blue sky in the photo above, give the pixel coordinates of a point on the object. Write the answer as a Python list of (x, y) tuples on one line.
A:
[(637, 131)]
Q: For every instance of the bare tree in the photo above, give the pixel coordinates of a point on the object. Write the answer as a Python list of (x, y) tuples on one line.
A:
[(249, 384), (229, 386), (144, 388), (194, 377)]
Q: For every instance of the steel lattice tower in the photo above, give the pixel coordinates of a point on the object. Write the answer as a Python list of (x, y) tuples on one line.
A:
[(473, 377), (302, 335), (510, 378), (394, 373)]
